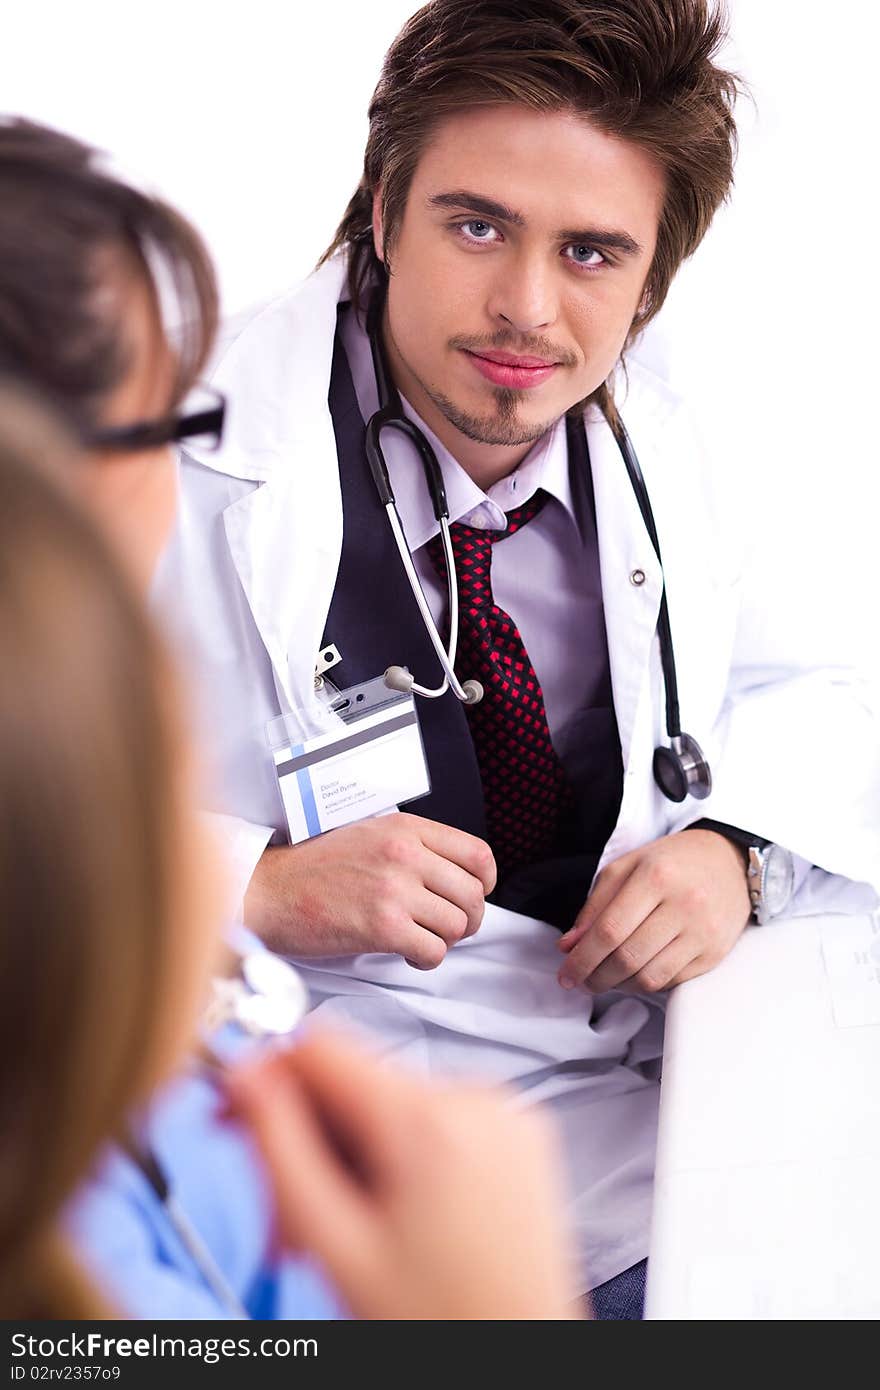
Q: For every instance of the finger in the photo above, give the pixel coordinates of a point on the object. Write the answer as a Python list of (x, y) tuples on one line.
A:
[(463, 890), (697, 966), (318, 1200), (658, 931), (467, 851), (396, 933), (434, 914), (422, 947), (635, 900), (603, 891), (661, 972), (362, 1100)]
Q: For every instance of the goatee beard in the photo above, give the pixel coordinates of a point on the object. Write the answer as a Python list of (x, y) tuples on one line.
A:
[(503, 427)]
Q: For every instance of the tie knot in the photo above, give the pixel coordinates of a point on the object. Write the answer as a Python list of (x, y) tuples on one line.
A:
[(521, 516), (472, 547)]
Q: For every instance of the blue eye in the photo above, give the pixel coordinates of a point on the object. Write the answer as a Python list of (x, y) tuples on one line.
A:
[(478, 229), (584, 255)]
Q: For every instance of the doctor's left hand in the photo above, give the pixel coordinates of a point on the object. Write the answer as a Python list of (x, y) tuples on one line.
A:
[(659, 915)]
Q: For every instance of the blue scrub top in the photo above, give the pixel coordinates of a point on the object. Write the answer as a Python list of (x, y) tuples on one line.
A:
[(125, 1237)]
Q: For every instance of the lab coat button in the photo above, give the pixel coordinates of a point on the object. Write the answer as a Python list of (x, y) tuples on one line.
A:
[(638, 578)]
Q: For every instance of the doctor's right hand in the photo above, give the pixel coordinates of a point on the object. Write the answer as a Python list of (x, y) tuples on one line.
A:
[(397, 884)]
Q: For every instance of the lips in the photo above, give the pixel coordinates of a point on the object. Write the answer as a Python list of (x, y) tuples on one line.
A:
[(506, 369), (510, 359)]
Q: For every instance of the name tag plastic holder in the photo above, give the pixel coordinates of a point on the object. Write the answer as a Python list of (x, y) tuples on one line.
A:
[(364, 757)]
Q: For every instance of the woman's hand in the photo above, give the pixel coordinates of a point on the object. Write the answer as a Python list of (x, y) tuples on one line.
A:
[(421, 1201)]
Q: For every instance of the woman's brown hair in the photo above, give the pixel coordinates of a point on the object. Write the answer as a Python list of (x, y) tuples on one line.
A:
[(643, 70), (88, 817), (62, 213)]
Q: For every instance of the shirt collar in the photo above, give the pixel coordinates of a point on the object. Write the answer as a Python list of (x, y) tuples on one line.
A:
[(545, 466)]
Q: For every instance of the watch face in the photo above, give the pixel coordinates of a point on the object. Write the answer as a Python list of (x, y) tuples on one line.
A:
[(777, 879)]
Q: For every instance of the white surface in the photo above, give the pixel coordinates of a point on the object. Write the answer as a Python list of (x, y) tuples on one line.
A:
[(769, 1143), (851, 954)]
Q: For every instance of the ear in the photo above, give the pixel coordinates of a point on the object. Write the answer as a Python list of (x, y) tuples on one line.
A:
[(378, 237), (645, 301)]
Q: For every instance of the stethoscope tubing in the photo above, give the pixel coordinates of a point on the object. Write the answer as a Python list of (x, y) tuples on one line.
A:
[(444, 656)]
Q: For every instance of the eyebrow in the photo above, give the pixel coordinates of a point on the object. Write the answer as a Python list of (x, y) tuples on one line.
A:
[(600, 237), (474, 202)]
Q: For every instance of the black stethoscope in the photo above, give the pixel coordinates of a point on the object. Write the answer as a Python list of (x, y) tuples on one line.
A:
[(679, 770)]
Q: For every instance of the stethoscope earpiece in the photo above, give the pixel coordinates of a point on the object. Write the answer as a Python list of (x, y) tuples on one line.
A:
[(398, 678), (474, 692)]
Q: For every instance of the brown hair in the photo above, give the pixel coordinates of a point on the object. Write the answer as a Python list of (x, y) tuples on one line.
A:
[(642, 70), (61, 212), (87, 823)]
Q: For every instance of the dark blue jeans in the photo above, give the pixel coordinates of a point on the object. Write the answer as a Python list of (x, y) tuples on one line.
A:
[(623, 1297)]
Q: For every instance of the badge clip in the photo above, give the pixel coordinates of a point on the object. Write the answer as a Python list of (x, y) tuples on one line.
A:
[(328, 657)]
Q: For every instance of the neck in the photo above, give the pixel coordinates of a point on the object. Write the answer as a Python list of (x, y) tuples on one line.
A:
[(485, 464)]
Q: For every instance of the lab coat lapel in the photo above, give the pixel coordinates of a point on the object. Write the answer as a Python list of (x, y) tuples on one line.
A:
[(625, 548), (285, 534)]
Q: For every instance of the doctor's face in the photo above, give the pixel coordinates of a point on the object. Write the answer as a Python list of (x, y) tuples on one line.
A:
[(516, 272)]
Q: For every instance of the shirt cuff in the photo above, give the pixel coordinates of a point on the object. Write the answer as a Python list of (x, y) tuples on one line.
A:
[(745, 839)]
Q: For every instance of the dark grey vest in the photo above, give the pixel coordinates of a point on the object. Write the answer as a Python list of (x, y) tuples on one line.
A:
[(374, 621)]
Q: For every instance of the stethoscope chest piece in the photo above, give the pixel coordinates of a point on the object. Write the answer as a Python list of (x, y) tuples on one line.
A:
[(266, 998), (682, 770)]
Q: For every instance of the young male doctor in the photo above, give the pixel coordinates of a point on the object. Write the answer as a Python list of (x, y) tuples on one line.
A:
[(536, 171)]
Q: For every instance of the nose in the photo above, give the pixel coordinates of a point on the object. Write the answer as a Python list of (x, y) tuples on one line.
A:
[(524, 297)]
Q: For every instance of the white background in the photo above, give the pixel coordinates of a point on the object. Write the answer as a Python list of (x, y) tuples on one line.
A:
[(252, 118)]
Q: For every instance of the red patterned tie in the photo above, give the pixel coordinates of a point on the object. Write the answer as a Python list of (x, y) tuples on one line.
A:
[(527, 795)]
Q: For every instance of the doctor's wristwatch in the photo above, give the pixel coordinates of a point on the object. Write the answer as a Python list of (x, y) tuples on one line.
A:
[(770, 875), (769, 869)]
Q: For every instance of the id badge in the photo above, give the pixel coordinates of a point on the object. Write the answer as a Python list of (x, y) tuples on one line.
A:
[(370, 760)]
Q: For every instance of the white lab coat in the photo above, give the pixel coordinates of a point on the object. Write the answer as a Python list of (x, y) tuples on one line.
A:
[(248, 582)]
